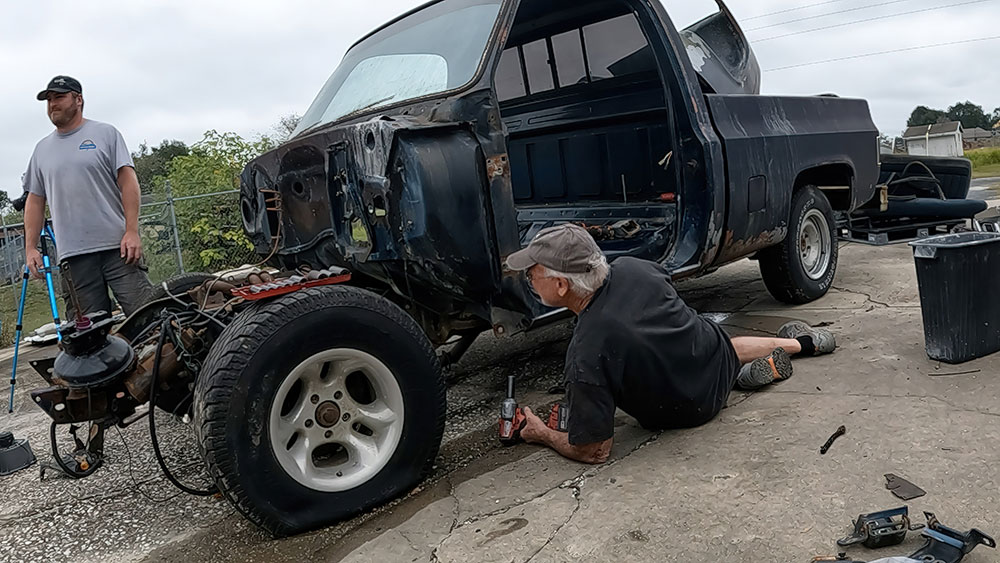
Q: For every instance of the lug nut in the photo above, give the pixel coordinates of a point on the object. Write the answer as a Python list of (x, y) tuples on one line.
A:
[(314, 399), (329, 434), (338, 395), (309, 424), (347, 417)]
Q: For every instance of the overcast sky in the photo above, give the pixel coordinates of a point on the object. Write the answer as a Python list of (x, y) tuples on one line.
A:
[(160, 69)]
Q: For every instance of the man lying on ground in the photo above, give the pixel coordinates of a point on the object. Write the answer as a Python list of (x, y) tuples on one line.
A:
[(638, 347)]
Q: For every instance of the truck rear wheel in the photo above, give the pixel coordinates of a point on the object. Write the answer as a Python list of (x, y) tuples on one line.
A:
[(318, 405), (801, 268)]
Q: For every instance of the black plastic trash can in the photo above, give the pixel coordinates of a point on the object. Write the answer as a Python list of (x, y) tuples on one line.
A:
[(958, 278)]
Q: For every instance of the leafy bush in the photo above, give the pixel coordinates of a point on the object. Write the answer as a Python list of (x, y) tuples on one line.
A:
[(983, 157)]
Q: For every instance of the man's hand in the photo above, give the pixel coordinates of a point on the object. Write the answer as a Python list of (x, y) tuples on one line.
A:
[(534, 431), (33, 259), (131, 247)]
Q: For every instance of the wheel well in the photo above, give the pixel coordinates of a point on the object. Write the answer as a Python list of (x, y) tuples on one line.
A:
[(834, 180)]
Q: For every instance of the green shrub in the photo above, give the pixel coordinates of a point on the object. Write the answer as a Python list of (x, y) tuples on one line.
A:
[(983, 157)]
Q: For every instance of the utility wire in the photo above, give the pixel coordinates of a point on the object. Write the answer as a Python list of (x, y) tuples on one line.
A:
[(918, 47), (792, 10), (870, 20), (868, 7)]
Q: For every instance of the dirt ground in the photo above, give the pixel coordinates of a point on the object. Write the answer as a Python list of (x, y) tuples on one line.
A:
[(750, 485)]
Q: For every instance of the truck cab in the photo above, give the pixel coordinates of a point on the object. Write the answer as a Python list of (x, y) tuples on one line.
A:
[(447, 138)]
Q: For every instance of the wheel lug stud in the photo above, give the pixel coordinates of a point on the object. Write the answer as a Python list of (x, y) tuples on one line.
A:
[(314, 399), (309, 424), (347, 417)]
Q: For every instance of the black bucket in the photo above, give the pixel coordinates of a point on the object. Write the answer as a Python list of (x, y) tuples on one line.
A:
[(957, 276), (15, 455)]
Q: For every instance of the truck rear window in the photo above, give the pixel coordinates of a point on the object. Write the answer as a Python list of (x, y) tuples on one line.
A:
[(606, 49)]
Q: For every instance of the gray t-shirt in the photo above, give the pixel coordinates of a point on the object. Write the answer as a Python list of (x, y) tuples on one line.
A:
[(77, 174)]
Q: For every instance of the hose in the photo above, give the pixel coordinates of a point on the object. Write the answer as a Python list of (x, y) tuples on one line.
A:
[(165, 324)]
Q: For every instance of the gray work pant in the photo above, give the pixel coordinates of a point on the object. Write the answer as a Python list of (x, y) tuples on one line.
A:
[(94, 272)]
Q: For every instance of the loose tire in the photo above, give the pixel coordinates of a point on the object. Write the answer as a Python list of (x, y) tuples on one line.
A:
[(801, 268), (318, 405)]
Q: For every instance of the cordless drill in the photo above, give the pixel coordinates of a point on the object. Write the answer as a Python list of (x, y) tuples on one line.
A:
[(512, 419)]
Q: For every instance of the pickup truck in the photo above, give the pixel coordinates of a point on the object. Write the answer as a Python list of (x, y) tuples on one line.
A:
[(441, 144)]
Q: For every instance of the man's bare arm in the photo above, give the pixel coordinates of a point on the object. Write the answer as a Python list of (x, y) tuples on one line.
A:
[(537, 432), (34, 219), (128, 182)]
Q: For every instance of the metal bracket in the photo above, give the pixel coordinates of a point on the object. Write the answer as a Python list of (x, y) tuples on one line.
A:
[(880, 529)]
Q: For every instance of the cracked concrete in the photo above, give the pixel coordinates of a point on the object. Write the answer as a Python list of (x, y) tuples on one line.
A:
[(750, 485)]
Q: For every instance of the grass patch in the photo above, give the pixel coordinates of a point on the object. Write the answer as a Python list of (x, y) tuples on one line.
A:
[(985, 162), (36, 309), (986, 171)]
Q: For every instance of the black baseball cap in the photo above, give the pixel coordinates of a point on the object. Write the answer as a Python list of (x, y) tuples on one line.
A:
[(61, 84)]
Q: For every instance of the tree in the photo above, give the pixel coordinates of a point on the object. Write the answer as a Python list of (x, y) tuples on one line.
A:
[(151, 163), (4, 201), (286, 126), (923, 115), (211, 228), (970, 114)]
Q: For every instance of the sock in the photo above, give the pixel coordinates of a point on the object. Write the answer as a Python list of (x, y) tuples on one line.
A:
[(808, 348)]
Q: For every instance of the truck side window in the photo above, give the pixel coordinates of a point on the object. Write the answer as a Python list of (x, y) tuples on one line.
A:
[(570, 65), (617, 47), (509, 77), (536, 63)]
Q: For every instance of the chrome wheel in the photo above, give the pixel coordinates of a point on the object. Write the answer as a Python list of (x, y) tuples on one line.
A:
[(336, 420), (815, 244)]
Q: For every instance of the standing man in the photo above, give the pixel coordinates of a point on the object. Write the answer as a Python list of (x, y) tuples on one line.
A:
[(637, 346), (84, 171)]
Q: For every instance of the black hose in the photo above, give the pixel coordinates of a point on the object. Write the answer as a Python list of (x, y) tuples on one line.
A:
[(62, 465), (152, 420)]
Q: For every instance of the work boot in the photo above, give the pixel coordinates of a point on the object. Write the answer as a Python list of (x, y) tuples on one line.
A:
[(776, 366), (823, 341)]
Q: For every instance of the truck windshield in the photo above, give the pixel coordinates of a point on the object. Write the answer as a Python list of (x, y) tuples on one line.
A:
[(433, 50)]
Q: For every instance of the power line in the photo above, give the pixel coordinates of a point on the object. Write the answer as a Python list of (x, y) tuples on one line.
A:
[(791, 10), (918, 47), (869, 7), (869, 20)]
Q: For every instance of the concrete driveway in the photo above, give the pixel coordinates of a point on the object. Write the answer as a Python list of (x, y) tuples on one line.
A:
[(749, 486)]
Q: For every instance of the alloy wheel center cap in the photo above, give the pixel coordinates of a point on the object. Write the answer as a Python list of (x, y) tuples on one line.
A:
[(327, 414)]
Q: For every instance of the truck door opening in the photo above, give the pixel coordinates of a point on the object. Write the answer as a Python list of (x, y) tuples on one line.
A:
[(588, 125)]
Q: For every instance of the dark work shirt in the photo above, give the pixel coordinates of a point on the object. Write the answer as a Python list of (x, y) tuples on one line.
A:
[(639, 347)]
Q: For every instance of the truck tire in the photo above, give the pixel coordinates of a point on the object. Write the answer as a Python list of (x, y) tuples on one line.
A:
[(801, 268), (318, 405)]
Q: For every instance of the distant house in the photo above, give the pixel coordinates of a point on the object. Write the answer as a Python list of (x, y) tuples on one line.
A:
[(976, 133), (977, 138), (940, 139)]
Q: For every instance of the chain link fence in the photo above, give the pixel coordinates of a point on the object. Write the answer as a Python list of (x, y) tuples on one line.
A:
[(194, 233)]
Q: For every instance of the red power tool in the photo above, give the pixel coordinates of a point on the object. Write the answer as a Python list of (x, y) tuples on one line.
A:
[(512, 419)]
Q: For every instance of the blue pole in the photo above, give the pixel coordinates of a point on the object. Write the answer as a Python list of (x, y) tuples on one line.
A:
[(48, 280), (17, 337)]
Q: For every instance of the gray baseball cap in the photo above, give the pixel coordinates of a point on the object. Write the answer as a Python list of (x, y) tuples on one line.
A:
[(565, 248)]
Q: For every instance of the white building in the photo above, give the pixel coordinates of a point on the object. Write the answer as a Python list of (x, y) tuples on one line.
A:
[(940, 139)]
